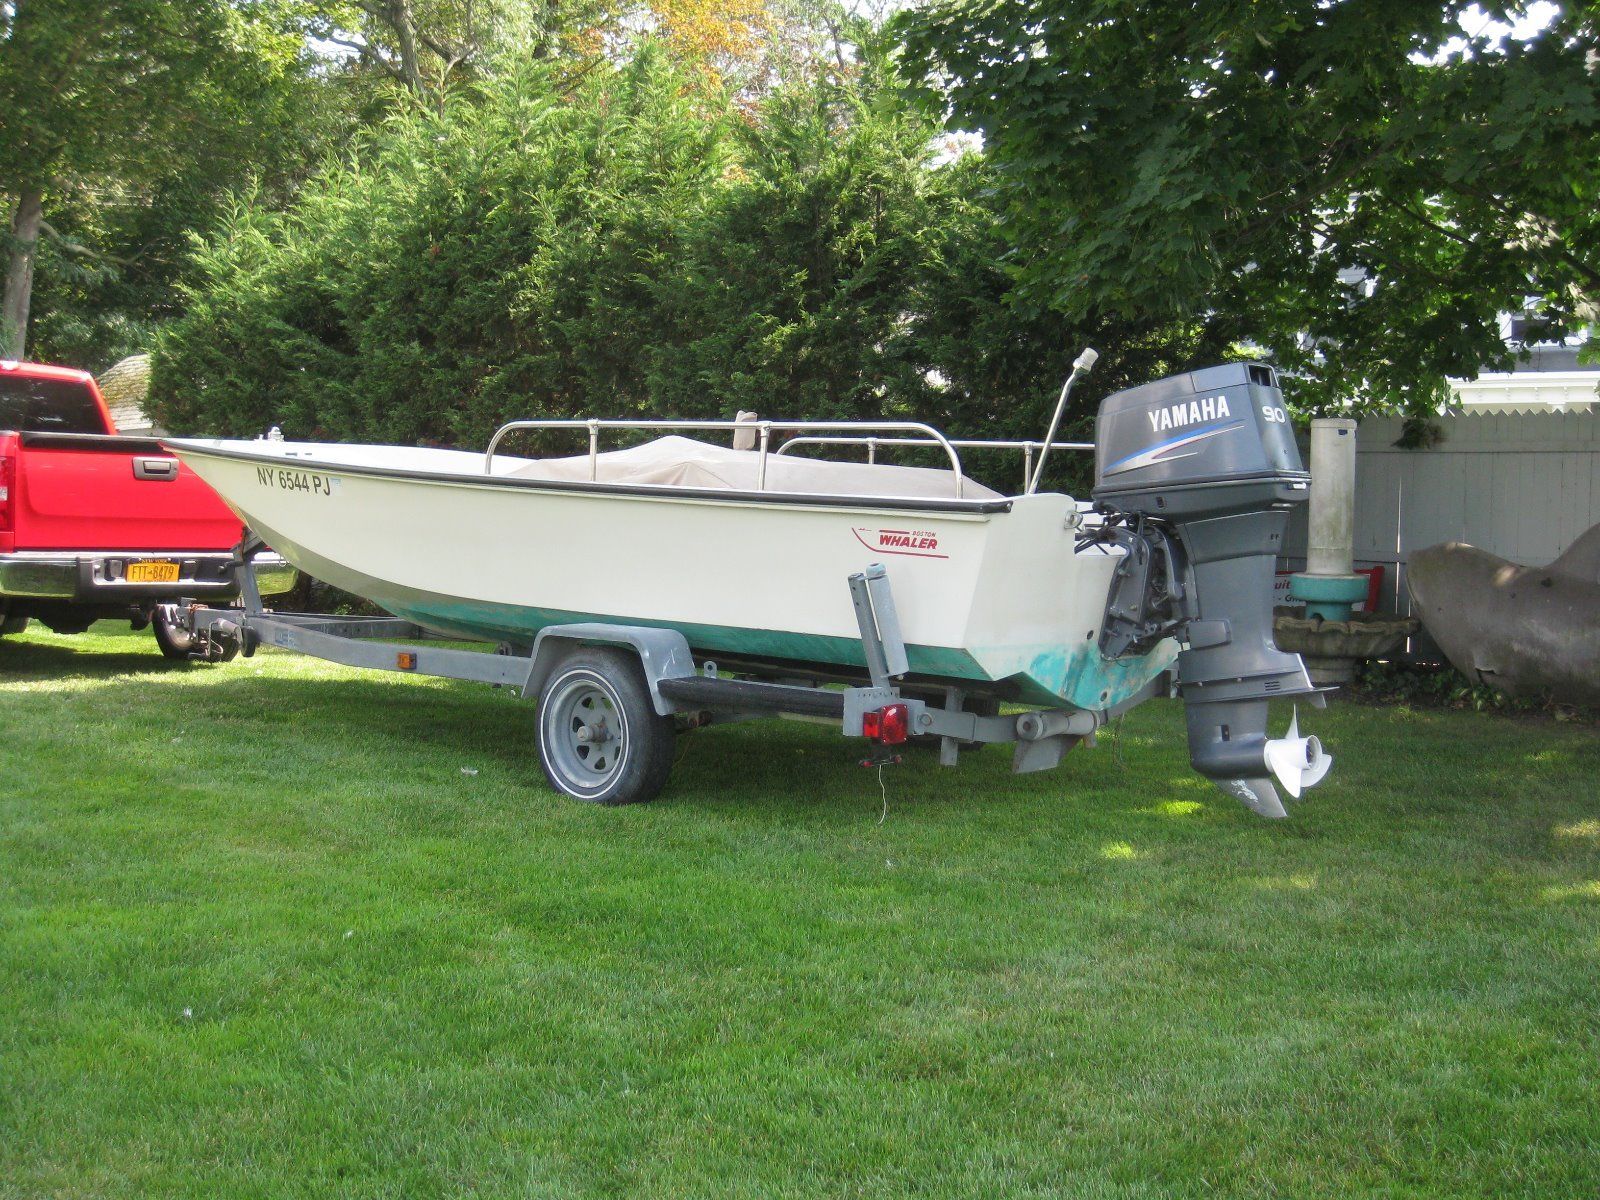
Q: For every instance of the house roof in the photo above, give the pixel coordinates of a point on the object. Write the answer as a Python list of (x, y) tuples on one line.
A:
[(1528, 391), (125, 388)]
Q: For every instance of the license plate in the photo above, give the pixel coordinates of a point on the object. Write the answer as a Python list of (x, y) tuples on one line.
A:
[(151, 572)]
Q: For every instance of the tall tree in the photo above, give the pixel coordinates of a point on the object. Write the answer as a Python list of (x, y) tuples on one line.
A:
[(1358, 188), (745, 47), (424, 45), (97, 93)]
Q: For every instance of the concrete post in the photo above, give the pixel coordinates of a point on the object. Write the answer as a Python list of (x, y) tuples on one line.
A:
[(1329, 586), (1329, 637), (1329, 546)]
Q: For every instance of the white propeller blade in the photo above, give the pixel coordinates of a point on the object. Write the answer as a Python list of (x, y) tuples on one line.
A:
[(1297, 762)]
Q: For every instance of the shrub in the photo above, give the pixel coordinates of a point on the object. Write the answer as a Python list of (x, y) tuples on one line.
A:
[(626, 248)]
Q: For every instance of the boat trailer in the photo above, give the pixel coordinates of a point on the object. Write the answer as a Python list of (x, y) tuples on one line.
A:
[(1195, 477), (612, 697)]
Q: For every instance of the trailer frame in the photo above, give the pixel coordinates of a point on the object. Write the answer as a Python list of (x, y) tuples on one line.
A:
[(693, 692)]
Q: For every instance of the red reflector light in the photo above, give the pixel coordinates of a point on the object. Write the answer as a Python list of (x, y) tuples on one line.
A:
[(888, 726)]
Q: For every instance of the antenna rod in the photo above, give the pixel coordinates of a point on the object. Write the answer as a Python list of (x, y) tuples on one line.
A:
[(1081, 365)]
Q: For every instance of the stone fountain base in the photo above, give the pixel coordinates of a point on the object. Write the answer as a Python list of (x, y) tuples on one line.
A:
[(1331, 649)]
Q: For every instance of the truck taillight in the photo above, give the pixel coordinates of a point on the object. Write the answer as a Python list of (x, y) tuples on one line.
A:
[(8, 482)]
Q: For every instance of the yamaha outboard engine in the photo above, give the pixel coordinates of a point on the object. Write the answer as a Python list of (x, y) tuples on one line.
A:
[(1195, 475)]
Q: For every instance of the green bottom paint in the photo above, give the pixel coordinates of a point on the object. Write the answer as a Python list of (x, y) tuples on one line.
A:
[(1047, 675)]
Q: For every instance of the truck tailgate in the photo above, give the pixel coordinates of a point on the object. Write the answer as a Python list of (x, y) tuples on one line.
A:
[(98, 492)]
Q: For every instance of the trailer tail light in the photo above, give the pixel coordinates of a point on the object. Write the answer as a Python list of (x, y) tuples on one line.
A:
[(888, 726)]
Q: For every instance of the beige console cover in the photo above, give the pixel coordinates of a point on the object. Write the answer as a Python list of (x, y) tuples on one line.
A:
[(684, 462)]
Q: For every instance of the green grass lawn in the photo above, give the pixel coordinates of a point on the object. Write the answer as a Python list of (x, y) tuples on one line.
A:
[(276, 928)]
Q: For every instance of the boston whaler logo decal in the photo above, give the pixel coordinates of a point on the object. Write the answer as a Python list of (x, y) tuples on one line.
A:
[(918, 543), (1188, 415)]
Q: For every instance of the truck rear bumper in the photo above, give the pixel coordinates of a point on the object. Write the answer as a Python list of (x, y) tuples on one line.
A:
[(100, 577)]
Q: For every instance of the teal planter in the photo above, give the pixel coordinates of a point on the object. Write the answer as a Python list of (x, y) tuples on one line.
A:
[(1330, 597)]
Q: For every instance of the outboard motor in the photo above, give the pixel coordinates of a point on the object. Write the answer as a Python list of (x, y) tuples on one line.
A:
[(1195, 475)]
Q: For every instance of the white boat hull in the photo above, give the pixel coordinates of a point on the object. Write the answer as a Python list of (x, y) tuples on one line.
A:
[(994, 594)]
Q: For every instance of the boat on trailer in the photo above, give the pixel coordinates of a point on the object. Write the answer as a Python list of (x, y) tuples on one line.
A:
[(685, 581)]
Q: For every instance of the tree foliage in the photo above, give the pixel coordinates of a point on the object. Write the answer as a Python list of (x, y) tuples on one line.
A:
[(124, 123), (1359, 188), (624, 248), (744, 48), (127, 126)]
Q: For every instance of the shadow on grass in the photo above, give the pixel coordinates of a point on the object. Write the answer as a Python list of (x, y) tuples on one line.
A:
[(420, 720), (42, 662), (781, 766), (788, 766)]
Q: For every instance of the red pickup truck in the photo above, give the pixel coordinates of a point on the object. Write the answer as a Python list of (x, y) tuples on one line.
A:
[(94, 525)]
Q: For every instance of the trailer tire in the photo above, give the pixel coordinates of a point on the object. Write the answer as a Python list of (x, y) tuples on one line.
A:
[(600, 738), (13, 625)]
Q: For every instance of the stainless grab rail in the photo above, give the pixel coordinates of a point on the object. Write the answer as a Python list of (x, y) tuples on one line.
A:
[(763, 430), (872, 444)]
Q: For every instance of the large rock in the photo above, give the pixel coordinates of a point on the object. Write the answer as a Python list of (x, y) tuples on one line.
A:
[(1527, 631)]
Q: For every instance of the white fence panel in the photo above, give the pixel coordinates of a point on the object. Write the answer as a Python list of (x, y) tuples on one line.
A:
[(1520, 485)]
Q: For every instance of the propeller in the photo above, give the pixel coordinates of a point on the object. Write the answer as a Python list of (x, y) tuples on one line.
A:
[(1228, 744), (1298, 762)]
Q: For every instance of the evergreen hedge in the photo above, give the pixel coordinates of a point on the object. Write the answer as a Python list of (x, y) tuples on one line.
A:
[(620, 247)]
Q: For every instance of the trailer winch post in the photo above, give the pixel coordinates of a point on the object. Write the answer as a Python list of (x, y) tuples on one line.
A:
[(244, 570), (881, 641)]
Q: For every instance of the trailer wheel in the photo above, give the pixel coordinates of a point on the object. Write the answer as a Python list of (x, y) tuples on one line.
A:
[(180, 643), (13, 625), (600, 737)]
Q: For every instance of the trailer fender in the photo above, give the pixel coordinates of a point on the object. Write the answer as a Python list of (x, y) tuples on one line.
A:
[(664, 654)]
